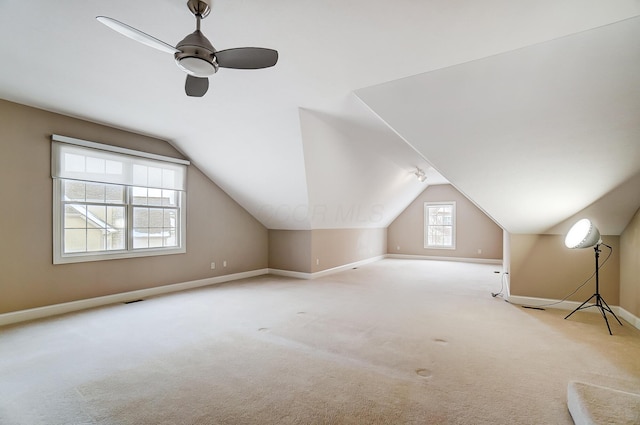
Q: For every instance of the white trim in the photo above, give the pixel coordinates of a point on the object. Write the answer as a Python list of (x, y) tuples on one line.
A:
[(572, 305), (347, 266), (291, 273), (85, 257), (117, 149), (634, 320), (507, 283), (56, 309), (309, 276), (550, 303), (437, 258)]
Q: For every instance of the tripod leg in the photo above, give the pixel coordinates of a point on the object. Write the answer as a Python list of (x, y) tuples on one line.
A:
[(580, 306), (604, 315), (609, 310)]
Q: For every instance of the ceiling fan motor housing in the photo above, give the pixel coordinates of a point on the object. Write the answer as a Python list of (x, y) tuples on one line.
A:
[(197, 55)]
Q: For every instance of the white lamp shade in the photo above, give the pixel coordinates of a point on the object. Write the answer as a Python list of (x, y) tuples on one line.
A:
[(583, 234)]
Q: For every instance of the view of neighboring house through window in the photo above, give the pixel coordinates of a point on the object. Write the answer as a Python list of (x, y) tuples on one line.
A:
[(94, 217), (115, 203), (155, 217), (440, 225)]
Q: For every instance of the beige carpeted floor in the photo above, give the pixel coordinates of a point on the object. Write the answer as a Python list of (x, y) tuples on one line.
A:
[(393, 342)]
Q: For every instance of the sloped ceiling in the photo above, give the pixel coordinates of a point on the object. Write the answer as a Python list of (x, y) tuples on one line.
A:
[(546, 130), (360, 173), (293, 144)]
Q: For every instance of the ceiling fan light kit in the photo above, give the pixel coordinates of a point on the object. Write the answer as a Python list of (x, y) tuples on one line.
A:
[(195, 54)]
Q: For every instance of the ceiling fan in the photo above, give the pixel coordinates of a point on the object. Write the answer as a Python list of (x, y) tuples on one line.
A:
[(195, 54)]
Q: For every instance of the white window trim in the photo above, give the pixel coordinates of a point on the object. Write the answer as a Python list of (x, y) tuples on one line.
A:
[(426, 225), (59, 257)]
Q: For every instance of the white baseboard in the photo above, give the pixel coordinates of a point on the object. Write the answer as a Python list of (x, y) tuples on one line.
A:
[(56, 309), (634, 320), (290, 273), (572, 305), (308, 276), (347, 266), (549, 303), (436, 258), (63, 308)]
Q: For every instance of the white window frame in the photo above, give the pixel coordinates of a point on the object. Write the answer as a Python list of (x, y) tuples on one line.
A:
[(452, 204), (60, 257)]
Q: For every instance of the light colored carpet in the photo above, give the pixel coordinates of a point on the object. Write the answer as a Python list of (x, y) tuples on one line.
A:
[(596, 405), (393, 342)]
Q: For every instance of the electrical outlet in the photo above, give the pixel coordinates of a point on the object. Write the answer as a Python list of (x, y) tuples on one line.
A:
[(479, 251), (213, 265), (398, 248), (224, 263), (317, 261)]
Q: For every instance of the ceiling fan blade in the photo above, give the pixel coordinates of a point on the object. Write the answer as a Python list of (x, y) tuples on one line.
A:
[(247, 58), (137, 35), (196, 86)]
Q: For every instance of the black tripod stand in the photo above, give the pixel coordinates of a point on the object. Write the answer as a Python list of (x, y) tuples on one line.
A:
[(600, 302)]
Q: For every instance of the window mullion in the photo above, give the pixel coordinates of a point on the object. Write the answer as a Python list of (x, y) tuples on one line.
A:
[(129, 224)]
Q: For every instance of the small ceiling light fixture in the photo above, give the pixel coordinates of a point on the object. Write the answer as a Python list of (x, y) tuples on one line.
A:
[(420, 174), (584, 234)]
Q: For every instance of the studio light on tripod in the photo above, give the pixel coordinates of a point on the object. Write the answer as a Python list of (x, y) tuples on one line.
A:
[(584, 234)]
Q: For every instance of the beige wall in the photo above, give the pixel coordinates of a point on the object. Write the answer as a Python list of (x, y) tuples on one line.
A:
[(336, 247), (474, 230), (290, 250), (630, 267), (542, 267), (310, 251), (218, 229)]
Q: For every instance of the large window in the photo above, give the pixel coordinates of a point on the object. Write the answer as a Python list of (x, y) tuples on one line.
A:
[(115, 203), (440, 225)]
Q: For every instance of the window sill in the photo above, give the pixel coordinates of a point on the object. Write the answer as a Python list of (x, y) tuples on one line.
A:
[(84, 257)]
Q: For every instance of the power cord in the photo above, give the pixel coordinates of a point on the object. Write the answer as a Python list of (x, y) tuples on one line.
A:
[(499, 293), (539, 307)]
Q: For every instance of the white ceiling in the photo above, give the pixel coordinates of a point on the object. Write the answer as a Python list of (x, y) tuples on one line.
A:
[(298, 149), (542, 131)]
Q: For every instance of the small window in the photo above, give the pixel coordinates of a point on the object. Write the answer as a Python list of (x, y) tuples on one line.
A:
[(115, 203), (440, 225)]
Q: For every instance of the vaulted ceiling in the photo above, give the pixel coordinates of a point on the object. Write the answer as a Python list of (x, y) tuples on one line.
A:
[(531, 109)]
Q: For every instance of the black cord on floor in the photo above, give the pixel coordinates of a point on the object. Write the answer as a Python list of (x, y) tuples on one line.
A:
[(539, 307)]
